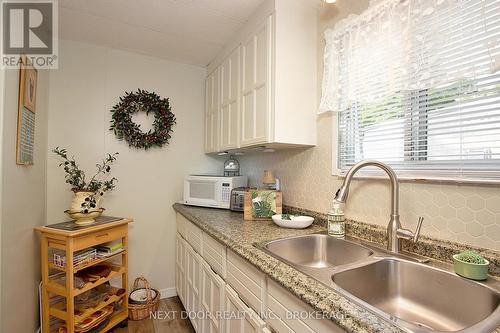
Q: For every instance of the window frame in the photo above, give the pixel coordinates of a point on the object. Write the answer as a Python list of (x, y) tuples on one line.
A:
[(404, 176), (409, 175)]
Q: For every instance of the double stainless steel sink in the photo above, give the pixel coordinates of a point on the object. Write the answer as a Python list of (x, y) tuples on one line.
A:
[(318, 251), (417, 296)]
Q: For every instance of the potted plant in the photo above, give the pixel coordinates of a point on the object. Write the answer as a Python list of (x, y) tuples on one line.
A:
[(85, 205), (471, 265)]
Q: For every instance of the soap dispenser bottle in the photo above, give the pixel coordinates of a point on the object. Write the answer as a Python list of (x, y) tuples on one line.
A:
[(336, 221)]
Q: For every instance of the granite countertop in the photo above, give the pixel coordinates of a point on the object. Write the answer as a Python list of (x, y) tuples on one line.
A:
[(240, 236)]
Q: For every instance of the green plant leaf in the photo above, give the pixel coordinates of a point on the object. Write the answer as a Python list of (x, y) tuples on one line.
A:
[(471, 257)]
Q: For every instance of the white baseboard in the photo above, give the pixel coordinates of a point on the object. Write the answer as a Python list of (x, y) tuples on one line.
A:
[(167, 293)]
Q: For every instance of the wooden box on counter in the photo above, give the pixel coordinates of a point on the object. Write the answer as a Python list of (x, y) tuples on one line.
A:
[(248, 211)]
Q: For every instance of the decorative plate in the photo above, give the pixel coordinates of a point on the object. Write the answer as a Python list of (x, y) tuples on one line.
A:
[(84, 218)]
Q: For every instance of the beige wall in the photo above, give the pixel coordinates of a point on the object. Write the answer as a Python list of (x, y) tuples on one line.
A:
[(464, 213), (88, 83), (23, 207), (2, 101)]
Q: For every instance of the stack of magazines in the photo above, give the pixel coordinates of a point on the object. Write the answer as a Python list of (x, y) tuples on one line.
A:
[(80, 257), (109, 249)]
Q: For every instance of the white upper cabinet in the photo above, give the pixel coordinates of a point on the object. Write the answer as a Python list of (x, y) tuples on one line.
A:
[(212, 124), (255, 90), (267, 81), (230, 93)]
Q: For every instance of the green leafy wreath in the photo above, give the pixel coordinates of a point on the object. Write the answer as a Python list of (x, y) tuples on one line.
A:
[(125, 129)]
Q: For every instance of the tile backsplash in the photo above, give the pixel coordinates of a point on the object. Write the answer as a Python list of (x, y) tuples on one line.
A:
[(467, 214)]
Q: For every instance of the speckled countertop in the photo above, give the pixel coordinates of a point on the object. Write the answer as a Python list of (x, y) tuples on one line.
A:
[(239, 235)]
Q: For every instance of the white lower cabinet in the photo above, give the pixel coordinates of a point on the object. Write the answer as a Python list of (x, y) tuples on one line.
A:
[(214, 253), (248, 282), (180, 268), (212, 299), (219, 304), (193, 293), (240, 318)]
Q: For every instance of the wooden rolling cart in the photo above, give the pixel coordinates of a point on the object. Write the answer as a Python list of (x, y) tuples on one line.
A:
[(70, 238)]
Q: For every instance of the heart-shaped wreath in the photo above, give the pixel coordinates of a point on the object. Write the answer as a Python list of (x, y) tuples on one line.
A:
[(125, 129)]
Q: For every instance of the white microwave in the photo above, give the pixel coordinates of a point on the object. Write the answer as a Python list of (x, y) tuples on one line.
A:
[(211, 191)]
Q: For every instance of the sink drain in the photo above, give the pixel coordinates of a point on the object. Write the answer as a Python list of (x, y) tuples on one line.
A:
[(422, 325)]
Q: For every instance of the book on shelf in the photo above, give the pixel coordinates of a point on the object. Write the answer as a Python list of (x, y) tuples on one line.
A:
[(110, 247), (108, 254)]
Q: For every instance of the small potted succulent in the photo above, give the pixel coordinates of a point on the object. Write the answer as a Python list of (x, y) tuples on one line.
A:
[(471, 265), (85, 205)]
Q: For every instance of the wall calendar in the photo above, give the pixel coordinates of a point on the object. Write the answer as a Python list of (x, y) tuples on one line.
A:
[(26, 114)]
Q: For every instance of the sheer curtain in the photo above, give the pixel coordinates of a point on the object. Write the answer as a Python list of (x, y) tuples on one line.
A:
[(417, 84)]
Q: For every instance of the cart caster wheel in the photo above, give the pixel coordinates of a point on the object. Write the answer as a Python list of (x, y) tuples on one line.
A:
[(123, 323)]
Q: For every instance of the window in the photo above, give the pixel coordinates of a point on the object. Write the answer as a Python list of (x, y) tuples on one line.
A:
[(417, 85)]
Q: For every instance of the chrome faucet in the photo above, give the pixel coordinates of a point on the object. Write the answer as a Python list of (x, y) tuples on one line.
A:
[(394, 230)]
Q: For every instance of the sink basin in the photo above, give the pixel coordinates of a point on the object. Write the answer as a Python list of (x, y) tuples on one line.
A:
[(425, 297), (318, 251)]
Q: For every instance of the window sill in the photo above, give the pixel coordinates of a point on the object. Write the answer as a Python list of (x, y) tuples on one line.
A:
[(423, 180)]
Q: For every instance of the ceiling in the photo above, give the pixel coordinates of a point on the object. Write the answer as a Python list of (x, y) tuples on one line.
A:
[(188, 31)]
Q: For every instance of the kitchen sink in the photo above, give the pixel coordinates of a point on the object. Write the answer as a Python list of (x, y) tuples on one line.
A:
[(398, 287), (317, 251), (426, 298)]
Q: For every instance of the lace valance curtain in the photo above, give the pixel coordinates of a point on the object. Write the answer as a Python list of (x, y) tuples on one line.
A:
[(417, 85), (408, 45)]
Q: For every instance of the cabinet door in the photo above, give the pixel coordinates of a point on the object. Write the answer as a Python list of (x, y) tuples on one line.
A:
[(193, 271), (212, 299), (230, 76), (240, 318), (209, 86), (247, 92), (256, 56), (276, 325), (180, 268), (212, 112)]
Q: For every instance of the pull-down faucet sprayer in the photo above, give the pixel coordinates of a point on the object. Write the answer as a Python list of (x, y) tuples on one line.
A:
[(394, 230)]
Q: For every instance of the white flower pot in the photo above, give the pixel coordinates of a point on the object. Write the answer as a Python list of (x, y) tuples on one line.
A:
[(79, 199)]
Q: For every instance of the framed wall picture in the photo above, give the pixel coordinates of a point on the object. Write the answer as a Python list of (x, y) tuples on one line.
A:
[(28, 77), (30, 88), (262, 204)]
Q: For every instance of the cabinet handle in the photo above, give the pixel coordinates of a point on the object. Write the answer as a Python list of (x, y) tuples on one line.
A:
[(102, 235), (271, 329), (242, 300)]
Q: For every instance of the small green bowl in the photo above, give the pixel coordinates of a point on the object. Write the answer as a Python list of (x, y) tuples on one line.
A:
[(469, 270)]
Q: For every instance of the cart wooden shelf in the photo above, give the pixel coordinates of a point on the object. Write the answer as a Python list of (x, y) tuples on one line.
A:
[(68, 240)]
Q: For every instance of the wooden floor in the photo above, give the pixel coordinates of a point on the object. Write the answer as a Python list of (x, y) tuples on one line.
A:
[(168, 320)]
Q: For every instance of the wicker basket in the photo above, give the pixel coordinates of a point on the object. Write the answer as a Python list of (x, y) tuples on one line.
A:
[(141, 311)]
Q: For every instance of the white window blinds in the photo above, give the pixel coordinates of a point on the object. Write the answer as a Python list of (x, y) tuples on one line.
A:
[(417, 85)]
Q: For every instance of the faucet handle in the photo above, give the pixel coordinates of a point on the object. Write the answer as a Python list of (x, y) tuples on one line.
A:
[(416, 235)]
